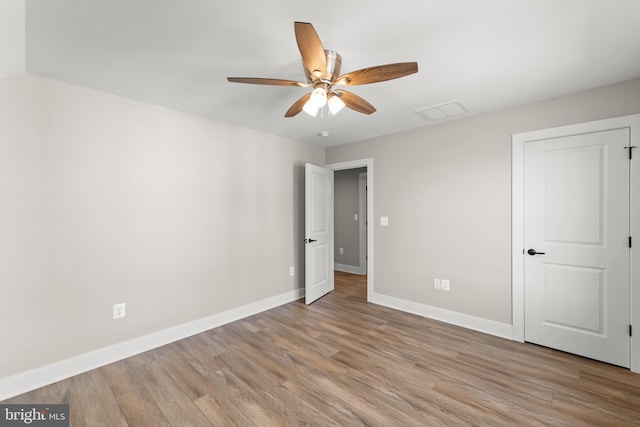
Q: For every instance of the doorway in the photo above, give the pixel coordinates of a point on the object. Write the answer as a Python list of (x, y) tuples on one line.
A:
[(350, 220), (363, 166)]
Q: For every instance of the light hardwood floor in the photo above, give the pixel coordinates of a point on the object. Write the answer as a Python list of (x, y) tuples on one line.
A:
[(342, 361)]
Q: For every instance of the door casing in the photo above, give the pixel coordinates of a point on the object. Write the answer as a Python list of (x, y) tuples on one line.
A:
[(518, 143), (362, 223)]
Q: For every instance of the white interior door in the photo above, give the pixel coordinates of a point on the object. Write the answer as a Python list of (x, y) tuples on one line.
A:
[(318, 226), (576, 233)]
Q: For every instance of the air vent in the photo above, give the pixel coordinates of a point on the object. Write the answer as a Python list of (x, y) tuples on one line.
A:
[(443, 111)]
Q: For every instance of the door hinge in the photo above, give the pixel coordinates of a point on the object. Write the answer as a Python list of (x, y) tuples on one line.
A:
[(630, 331), (629, 241), (630, 147)]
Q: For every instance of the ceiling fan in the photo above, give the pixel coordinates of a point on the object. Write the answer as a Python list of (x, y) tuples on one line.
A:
[(322, 69)]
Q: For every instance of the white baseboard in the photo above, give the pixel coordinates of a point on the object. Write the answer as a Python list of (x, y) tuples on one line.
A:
[(347, 268), (491, 327), (49, 374)]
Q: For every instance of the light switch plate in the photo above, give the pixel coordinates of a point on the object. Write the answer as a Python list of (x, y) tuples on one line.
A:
[(384, 221)]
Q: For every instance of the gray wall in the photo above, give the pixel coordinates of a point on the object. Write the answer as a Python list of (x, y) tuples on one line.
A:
[(12, 38), (106, 200), (446, 189), (346, 185)]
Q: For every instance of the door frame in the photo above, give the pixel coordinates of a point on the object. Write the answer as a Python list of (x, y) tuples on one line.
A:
[(517, 237), (361, 163), (363, 223)]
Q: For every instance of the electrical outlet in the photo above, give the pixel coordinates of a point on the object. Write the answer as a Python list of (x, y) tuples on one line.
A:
[(355, 217), (292, 271), (341, 250), (445, 284), (437, 284), (119, 310)]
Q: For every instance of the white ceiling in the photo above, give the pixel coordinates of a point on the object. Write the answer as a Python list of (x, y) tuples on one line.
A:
[(490, 54)]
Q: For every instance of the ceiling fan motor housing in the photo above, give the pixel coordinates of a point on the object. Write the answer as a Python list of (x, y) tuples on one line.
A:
[(334, 65)]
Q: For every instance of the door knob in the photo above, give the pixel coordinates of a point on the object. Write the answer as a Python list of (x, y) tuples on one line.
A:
[(310, 240), (534, 252)]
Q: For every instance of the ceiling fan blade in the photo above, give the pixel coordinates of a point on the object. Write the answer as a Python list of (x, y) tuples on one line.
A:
[(355, 102), (311, 50), (376, 74), (261, 81), (297, 106)]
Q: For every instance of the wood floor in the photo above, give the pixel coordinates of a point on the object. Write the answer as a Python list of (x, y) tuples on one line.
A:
[(343, 362)]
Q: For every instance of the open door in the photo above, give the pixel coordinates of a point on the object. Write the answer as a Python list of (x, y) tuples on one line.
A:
[(318, 225)]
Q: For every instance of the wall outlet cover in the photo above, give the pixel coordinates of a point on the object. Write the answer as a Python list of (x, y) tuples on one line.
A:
[(119, 310)]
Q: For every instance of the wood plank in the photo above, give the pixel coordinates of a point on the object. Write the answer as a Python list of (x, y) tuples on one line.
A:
[(175, 405), (99, 405), (136, 403)]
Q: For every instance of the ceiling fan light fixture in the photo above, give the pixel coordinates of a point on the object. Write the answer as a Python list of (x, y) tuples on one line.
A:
[(310, 109), (335, 104), (318, 97)]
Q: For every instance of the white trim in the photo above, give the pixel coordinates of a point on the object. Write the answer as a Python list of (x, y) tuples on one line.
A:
[(479, 324), (517, 239), (368, 163), (518, 142), (354, 269), (362, 224), (57, 371)]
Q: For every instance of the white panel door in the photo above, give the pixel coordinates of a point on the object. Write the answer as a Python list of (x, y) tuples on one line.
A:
[(318, 226), (576, 233)]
